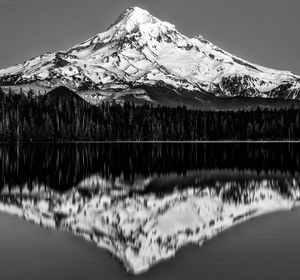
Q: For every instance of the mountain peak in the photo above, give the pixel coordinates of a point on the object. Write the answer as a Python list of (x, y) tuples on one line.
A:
[(135, 16), (137, 12), (133, 13)]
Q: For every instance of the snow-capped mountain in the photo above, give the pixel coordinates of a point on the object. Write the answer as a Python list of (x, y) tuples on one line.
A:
[(139, 51)]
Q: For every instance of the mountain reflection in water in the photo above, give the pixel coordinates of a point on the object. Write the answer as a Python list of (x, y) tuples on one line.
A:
[(142, 202)]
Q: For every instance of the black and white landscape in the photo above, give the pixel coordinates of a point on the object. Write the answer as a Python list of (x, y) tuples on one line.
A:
[(145, 143)]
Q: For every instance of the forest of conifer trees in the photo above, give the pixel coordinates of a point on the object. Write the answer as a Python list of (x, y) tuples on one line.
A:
[(61, 115)]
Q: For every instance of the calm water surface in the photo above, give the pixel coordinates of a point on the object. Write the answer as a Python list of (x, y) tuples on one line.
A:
[(267, 247)]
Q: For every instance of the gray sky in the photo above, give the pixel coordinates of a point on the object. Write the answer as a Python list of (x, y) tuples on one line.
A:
[(262, 31)]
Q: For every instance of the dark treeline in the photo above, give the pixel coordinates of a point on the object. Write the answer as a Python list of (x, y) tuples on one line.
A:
[(63, 116)]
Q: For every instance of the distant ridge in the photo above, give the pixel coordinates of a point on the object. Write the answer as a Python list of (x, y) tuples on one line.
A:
[(63, 94)]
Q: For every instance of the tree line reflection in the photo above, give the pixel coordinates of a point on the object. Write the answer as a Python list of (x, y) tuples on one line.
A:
[(63, 166)]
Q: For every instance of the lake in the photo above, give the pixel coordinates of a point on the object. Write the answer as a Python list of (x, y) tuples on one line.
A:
[(266, 247)]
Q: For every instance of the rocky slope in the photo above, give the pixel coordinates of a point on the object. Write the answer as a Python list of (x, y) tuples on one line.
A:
[(139, 52)]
